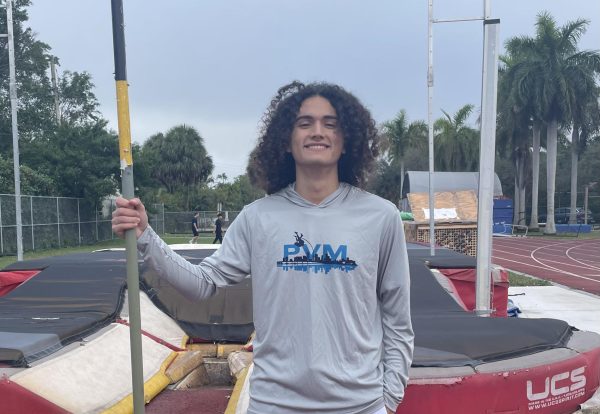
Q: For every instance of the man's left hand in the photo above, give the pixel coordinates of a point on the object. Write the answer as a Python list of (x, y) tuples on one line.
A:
[(389, 411)]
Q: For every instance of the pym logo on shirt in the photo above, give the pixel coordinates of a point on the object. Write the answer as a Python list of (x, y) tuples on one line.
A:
[(303, 256)]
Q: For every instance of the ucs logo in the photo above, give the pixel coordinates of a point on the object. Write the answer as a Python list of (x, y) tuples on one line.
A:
[(558, 384)]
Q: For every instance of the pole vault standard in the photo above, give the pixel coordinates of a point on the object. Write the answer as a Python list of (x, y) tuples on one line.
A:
[(487, 154), (133, 286), (431, 21), (487, 148)]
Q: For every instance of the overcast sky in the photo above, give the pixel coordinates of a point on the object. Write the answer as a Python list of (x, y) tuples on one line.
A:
[(215, 65)]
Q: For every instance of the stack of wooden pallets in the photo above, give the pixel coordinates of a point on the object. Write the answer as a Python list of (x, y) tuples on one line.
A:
[(455, 220)]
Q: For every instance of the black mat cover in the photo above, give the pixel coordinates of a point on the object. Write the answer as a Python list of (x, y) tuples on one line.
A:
[(77, 294), (70, 298), (225, 317)]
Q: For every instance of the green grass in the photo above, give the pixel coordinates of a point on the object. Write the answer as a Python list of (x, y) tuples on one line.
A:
[(205, 238), (168, 238), (518, 279)]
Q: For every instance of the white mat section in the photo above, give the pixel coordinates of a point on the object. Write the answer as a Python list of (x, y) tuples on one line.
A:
[(156, 322), (578, 309), (244, 400), (95, 376), (189, 246)]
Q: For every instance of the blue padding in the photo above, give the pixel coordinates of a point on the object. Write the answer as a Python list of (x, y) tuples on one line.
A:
[(573, 228), (501, 203), (500, 228)]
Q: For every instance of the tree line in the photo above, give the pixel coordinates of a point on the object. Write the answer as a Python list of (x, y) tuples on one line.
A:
[(548, 109), (69, 151), (548, 121)]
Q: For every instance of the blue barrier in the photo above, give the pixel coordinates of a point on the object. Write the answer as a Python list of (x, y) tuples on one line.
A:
[(500, 228), (573, 228)]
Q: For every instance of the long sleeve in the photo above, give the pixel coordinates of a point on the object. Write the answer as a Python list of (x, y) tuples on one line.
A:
[(230, 264), (394, 296)]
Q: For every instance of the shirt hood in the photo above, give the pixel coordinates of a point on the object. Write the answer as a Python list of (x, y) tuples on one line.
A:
[(338, 196)]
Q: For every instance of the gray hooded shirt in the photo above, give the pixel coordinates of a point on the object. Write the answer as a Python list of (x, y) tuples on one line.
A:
[(330, 286)]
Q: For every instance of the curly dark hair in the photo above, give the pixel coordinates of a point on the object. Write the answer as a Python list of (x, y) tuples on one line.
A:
[(271, 167)]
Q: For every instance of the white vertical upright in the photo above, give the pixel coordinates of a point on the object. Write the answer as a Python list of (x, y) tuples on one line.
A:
[(487, 150), (96, 215), (430, 123), (55, 89), (58, 222), (12, 86), (78, 223), (431, 22), (1, 233), (31, 214)]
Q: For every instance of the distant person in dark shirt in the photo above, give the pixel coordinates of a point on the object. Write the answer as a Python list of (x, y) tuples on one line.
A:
[(219, 229), (195, 228)]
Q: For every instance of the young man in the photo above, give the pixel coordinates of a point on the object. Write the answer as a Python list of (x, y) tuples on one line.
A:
[(195, 228), (219, 229), (328, 262)]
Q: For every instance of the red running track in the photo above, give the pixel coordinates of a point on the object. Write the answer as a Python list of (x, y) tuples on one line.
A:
[(574, 263)]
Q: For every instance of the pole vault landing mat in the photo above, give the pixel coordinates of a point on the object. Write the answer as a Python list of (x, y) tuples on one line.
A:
[(471, 365), (462, 363), (467, 364)]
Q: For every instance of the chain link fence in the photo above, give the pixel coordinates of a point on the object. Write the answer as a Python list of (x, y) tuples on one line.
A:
[(55, 222), (156, 217), (180, 222), (51, 222)]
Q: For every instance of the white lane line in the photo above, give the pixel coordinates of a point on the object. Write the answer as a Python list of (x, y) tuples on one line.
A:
[(532, 255), (544, 268), (558, 248), (521, 241), (580, 256), (548, 260), (568, 253), (594, 255)]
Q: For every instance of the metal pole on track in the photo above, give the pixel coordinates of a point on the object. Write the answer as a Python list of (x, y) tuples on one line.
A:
[(430, 130), (12, 86), (487, 151), (58, 221), (126, 159), (31, 217)]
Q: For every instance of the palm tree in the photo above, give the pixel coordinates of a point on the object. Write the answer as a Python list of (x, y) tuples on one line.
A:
[(513, 133), (517, 121), (222, 178), (547, 79), (535, 179), (179, 159), (586, 122), (398, 137), (456, 143)]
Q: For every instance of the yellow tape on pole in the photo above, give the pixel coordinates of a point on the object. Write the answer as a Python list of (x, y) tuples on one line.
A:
[(124, 127)]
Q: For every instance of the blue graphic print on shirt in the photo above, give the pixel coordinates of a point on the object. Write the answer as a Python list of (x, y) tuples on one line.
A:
[(303, 256)]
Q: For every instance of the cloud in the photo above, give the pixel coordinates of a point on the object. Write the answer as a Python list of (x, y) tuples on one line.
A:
[(216, 65)]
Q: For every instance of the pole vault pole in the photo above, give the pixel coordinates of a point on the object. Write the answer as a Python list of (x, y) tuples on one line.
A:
[(133, 287)]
